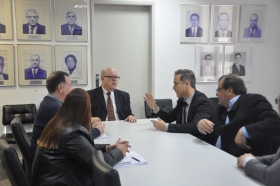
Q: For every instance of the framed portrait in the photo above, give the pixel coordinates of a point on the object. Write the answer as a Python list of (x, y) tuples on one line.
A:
[(33, 20), (252, 24), (208, 63), (6, 20), (7, 73), (238, 61), (34, 64), (194, 23), (71, 20), (72, 60), (223, 24)]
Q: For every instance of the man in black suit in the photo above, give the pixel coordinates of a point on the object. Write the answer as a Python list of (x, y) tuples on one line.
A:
[(194, 30), (109, 103), (192, 110), (247, 120), (71, 28), (223, 20), (35, 72), (33, 27), (237, 68), (2, 28), (2, 75)]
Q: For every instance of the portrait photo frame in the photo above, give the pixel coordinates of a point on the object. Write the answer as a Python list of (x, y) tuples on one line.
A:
[(6, 30), (71, 20), (224, 22), (252, 24), (34, 57), (240, 54), (8, 72), (33, 20), (72, 60), (194, 23), (208, 63)]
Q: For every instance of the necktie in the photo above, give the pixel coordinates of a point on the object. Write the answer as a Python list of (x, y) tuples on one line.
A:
[(185, 105), (32, 29), (252, 32), (71, 29), (193, 33), (110, 108), (34, 73)]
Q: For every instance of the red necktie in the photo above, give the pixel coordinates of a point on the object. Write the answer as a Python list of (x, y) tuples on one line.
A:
[(110, 108)]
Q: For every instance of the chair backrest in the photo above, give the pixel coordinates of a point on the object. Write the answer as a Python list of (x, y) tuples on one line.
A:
[(24, 145), (164, 104), (214, 101), (11, 164), (104, 174)]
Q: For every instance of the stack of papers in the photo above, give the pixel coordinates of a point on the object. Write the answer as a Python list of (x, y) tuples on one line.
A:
[(132, 158)]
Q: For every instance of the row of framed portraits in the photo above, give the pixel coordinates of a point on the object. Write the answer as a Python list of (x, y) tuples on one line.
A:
[(214, 61), (35, 64), (33, 20), (196, 26)]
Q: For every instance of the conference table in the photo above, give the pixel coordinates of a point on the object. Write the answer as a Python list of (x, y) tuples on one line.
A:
[(174, 159)]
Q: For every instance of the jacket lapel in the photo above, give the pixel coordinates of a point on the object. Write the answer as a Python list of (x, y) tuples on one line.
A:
[(118, 100), (100, 97)]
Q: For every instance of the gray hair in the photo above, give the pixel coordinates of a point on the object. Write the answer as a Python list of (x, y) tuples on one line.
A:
[(103, 71), (36, 55), (255, 15), (186, 75), (2, 59), (33, 11), (70, 11)]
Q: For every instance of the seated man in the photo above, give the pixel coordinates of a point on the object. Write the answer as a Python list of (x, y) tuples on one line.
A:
[(191, 112), (109, 103)]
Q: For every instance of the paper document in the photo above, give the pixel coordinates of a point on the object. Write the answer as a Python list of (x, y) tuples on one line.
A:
[(103, 136), (132, 158)]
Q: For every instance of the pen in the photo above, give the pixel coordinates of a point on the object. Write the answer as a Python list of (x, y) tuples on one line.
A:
[(135, 159)]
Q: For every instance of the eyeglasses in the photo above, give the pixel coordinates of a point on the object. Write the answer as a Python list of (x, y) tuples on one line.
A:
[(277, 100), (34, 17), (219, 89), (113, 77)]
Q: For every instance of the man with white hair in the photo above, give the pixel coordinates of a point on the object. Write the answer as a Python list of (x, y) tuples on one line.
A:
[(71, 28), (33, 27)]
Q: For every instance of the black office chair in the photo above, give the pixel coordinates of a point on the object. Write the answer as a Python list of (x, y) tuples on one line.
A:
[(164, 104), (104, 174), (27, 114), (11, 164), (214, 101), (24, 144)]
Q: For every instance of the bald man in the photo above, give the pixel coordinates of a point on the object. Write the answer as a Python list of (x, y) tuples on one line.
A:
[(253, 31), (35, 72)]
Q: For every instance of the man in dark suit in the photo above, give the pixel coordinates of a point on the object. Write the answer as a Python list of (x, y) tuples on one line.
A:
[(191, 111), (207, 69), (2, 75), (247, 120), (71, 28), (33, 27), (35, 72), (223, 20), (2, 28), (109, 103), (253, 30), (237, 68), (194, 30)]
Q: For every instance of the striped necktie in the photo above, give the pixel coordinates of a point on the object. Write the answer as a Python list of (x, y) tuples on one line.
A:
[(110, 108)]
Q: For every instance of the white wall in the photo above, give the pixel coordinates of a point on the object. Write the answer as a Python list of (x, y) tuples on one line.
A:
[(171, 55)]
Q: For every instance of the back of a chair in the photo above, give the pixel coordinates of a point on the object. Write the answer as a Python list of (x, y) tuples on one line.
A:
[(11, 164), (164, 104), (24, 144), (104, 174)]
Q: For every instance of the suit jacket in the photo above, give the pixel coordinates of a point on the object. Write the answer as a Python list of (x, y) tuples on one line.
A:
[(217, 34), (257, 33), (203, 71), (2, 28), (65, 30), (98, 105), (40, 29), (261, 122), (6, 76), (41, 74), (240, 72), (200, 108), (199, 32), (265, 169)]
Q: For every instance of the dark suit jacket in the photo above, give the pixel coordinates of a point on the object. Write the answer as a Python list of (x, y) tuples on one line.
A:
[(199, 32), (98, 105), (229, 33), (41, 74), (2, 28), (65, 30), (257, 33), (6, 76), (40, 29), (265, 169), (236, 71), (200, 108), (255, 113)]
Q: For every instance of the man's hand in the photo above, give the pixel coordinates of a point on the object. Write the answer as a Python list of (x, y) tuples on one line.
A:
[(130, 119), (100, 126), (241, 159), (241, 141), (150, 101), (160, 124), (95, 119), (205, 126), (122, 145)]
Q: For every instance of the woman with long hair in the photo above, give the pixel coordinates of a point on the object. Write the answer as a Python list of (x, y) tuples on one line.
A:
[(65, 148)]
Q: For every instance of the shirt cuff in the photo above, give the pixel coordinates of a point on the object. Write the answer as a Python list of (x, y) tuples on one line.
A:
[(156, 111), (166, 127), (245, 161), (245, 133)]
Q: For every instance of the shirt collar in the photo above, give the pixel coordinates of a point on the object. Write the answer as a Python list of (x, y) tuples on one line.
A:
[(189, 100), (232, 102), (56, 99), (105, 91)]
